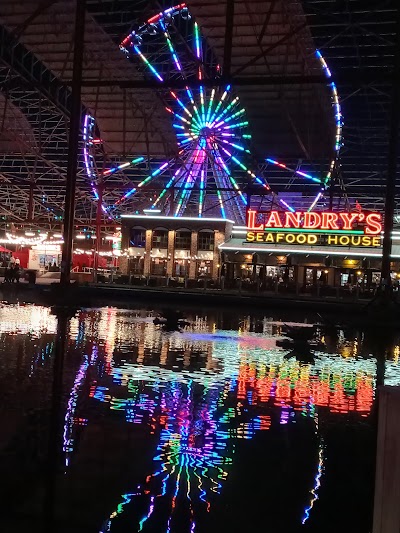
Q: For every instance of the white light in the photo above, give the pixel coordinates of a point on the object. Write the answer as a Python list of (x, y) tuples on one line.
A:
[(151, 211), (79, 236), (182, 218), (30, 233), (109, 238), (57, 236), (300, 251)]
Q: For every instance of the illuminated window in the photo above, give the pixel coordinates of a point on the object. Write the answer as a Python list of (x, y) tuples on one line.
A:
[(206, 240)]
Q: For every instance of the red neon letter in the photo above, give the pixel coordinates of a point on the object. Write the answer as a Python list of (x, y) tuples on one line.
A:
[(374, 221), (274, 220), (312, 220), (251, 220), (348, 219), (292, 220), (329, 221)]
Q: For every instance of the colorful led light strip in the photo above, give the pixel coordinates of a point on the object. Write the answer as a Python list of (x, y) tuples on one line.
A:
[(191, 178), (155, 173), (197, 40), (243, 167), (110, 171), (221, 162), (88, 128), (298, 172), (147, 63), (202, 187)]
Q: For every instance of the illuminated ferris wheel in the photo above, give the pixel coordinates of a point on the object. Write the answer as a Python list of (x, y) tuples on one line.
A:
[(214, 166)]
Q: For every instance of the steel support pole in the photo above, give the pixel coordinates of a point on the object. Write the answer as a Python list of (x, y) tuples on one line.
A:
[(73, 141), (392, 164), (230, 13)]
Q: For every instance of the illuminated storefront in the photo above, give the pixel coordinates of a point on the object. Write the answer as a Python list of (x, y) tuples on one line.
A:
[(298, 250), (181, 248), (308, 249)]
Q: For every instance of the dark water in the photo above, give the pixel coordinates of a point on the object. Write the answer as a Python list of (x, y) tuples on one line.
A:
[(214, 428)]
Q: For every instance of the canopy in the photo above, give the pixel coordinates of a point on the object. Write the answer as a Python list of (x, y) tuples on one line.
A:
[(2, 249)]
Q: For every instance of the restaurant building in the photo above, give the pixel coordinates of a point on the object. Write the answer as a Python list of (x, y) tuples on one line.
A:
[(298, 250), (170, 247)]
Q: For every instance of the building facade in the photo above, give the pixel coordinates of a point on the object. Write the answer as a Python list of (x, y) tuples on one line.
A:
[(296, 251), (172, 247)]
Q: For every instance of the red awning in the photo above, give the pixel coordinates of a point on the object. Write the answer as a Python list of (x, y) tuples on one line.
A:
[(2, 249)]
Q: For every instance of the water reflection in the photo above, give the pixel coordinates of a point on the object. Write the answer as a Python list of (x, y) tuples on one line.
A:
[(197, 397)]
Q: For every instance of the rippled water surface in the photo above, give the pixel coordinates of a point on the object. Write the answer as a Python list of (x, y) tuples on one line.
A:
[(210, 429)]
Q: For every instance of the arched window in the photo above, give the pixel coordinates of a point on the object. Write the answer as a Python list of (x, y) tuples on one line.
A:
[(182, 239), (206, 240), (160, 238), (137, 237)]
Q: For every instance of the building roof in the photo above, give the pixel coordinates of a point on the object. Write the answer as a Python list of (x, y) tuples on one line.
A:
[(290, 118)]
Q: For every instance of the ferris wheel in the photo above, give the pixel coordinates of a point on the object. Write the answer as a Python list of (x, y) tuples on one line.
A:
[(214, 166)]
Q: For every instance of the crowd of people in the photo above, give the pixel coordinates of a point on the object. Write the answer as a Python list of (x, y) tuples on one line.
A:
[(12, 271)]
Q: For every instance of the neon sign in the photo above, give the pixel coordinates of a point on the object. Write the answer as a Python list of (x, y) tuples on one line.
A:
[(311, 228)]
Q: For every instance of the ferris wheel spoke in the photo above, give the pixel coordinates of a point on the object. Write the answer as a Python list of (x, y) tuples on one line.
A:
[(122, 166), (172, 182), (147, 63), (220, 103), (298, 172), (234, 126), (230, 117), (235, 145), (231, 104), (198, 50), (225, 180), (319, 196), (181, 72), (246, 169), (177, 115), (210, 104), (171, 48), (203, 174), (155, 173), (221, 203), (222, 164), (185, 109), (187, 188)]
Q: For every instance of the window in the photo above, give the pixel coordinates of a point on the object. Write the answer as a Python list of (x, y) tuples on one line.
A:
[(204, 269), (181, 267), (160, 238), (136, 265), (183, 239), (206, 240), (138, 238), (158, 266)]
